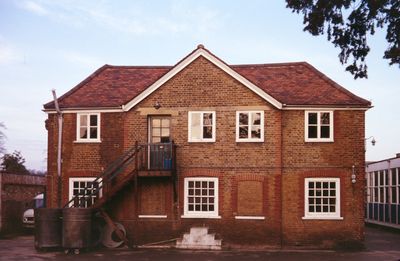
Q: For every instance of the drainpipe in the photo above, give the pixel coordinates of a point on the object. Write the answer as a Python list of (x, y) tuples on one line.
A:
[(281, 178), (60, 125)]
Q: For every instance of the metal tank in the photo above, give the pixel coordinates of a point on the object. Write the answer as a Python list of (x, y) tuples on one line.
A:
[(48, 228), (76, 228)]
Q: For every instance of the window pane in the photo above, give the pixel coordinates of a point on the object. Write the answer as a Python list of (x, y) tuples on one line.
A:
[(195, 126), (325, 118), (156, 139), (312, 118), (83, 133), (165, 132), (325, 131), (93, 120), (255, 132), (83, 120), (93, 133), (243, 132), (393, 171), (243, 119), (207, 132), (155, 132), (156, 123), (207, 119), (312, 131), (256, 118), (165, 123)]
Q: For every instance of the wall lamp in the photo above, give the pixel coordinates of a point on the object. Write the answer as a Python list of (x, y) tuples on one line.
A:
[(157, 105), (373, 142)]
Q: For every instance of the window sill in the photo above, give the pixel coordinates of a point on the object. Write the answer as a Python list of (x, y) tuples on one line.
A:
[(200, 216), (87, 141), (201, 141), (250, 217), (318, 140), (152, 216), (252, 141), (322, 218)]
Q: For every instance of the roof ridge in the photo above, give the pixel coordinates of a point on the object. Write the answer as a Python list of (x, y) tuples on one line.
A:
[(335, 84), (140, 66), (79, 85), (269, 64)]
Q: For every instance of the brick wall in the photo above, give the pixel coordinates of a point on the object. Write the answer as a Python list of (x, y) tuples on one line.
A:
[(16, 194), (260, 179)]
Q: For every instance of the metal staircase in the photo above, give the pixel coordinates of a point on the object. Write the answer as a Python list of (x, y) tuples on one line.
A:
[(123, 171)]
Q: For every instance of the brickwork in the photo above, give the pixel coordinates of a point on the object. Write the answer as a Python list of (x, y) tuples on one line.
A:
[(16, 194), (255, 179)]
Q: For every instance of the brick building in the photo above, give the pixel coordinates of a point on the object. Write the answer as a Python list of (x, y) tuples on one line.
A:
[(262, 154), (16, 192)]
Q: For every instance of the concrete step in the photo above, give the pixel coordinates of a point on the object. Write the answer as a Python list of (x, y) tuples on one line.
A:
[(198, 238)]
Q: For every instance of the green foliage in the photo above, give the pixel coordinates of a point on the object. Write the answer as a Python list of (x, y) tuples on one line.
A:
[(13, 163), (350, 33)]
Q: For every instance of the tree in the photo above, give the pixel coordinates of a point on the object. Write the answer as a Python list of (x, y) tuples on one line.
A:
[(2, 137), (14, 163), (350, 33)]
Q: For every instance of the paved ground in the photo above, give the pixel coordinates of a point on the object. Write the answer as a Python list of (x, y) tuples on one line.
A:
[(380, 245)]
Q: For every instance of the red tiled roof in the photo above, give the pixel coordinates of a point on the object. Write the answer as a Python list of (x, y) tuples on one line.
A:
[(289, 83), (298, 84)]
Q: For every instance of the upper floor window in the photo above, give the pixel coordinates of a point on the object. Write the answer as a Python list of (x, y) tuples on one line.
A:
[(88, 127), (201, 126), (249, 126), (319, 126), (322, 198)]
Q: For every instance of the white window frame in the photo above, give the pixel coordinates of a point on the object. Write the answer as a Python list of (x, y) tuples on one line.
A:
[(313, 215), (249, 139), (80, 179), (78, 126), (200, 214), (319, 139), (190, 139)]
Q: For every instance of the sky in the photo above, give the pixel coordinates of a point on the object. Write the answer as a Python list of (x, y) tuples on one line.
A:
[(55, 44)]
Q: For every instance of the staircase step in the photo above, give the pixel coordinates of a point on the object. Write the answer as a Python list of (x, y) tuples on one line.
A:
[(199, 238)]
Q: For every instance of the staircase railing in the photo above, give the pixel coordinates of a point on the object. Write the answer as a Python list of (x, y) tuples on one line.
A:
[(117, 167)]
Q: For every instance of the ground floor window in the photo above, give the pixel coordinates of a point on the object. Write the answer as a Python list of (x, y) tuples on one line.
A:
[(322, 198), (201, 197), (84, 191)]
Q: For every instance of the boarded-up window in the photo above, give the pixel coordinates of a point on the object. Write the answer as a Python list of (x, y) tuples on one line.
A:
[(152, 198), (250, 198)]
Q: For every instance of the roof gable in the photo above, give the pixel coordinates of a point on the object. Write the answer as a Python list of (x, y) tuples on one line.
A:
[(201, 51)]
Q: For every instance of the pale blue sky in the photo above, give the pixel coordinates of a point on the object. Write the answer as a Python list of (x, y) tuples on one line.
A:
[(47, 44)]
